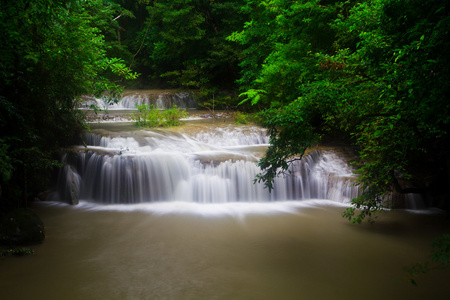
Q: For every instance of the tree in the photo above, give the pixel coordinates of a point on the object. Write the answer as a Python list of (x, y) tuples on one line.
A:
[(280, 41), (52, 53), (377, 79), (184, 44)]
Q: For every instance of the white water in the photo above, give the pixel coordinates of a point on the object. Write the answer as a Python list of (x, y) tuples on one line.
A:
[(159, 99), (213, 165)]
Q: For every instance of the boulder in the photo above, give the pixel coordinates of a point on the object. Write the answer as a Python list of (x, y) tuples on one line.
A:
[(21, 227)]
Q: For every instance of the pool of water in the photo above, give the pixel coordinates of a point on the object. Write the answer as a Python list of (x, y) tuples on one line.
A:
[(176, 250)]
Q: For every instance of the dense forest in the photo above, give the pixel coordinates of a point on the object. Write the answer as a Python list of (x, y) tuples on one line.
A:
[(373, 74)]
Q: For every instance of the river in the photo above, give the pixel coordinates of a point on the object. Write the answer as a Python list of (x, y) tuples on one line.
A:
[(280, 250), (173, 214)]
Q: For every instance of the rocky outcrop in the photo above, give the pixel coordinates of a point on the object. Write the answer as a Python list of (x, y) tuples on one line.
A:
[(21, 227)]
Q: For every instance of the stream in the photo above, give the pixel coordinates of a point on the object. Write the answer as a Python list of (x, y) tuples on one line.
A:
[(174, 214)]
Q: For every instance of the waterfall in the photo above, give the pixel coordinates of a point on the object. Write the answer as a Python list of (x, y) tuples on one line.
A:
[(159, 99), (216, 166), (234, 136)]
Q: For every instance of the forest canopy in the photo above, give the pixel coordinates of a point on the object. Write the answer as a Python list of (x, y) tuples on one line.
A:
[(373, 74)]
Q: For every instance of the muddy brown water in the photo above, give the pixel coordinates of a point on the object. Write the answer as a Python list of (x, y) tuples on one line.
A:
[(281, 250)]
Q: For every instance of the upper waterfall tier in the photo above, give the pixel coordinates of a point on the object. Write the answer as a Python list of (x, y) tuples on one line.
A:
[(160, 99)]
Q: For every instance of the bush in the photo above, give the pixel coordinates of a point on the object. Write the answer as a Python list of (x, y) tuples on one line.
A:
[(241, 118), (149, 116), (171, 117)]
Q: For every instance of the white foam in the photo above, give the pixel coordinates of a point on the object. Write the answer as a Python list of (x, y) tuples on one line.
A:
[(232, 209)]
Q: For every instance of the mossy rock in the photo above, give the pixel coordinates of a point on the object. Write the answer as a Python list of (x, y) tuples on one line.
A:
[(21, 227)]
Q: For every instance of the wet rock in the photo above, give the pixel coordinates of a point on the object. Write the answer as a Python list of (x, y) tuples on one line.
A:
[(42, 196)]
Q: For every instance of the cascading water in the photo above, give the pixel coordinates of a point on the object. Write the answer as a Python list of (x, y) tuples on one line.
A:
[(163, 101), (160, 100), (216, 165)]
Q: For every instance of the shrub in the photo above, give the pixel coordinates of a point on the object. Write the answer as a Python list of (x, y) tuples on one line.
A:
[(172, 116), (149, 116), (241, 118)]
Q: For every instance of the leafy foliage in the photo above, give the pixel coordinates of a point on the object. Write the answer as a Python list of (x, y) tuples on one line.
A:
[(172, 116), (371, 73), (439, 259), (52, 53), (212, 99), (186, 46), (149, 116), (247, 118)]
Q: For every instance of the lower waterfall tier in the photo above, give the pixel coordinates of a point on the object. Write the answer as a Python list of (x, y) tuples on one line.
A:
[(102, 177)]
